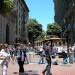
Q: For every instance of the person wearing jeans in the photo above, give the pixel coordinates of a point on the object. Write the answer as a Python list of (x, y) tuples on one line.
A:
[(47, 50), (64, 57), (48, 67), (42, 56)]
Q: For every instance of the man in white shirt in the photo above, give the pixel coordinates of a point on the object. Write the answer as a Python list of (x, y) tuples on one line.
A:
[(4, 58)]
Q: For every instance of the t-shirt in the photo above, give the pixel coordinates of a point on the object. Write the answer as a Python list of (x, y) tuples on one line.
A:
[(4, 56), (48, 51), (22, 57), (21, 54)]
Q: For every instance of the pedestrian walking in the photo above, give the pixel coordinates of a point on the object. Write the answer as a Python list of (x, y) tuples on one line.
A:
[(26, 57), (47, 49), (42, 55), (70, 55), (64, 55), (55, 56), (74, 53), (73, 48), (21, 58), (11, 50), (4, 59)]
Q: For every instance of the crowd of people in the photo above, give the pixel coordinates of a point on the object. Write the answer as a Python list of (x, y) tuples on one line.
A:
[(12, 53), (68, 57), (17, 53)]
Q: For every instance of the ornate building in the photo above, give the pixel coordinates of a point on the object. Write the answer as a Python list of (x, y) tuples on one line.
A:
[(22, 12), (66, 10), (7, 28), (13, 26)]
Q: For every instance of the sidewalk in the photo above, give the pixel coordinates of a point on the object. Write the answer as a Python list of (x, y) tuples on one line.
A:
[(36, 69)]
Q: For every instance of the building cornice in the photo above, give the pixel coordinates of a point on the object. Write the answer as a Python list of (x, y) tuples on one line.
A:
[(25, 5)]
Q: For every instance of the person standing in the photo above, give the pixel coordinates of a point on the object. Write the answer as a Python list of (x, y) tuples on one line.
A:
[(42, 54), (74, 53), (21, 58), (70, 55), (47, 50), (26, 57), (64, 55), (4, 59), (73, 48)]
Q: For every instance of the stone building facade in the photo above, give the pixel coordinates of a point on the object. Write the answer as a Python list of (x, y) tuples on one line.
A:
[(7, 29), (59, 10), (22, 12), (66, 19), (13, 27)]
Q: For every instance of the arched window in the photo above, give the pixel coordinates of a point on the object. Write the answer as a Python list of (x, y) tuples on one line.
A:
[(7, 34)]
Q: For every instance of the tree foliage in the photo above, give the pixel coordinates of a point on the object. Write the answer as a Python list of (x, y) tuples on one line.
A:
[(54, 29), (41, 36), (34, 29), (6, 6)]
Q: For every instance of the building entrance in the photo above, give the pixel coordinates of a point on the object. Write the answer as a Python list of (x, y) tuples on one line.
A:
[(7, 34)]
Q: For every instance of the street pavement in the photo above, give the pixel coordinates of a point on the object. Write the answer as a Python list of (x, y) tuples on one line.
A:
[(34, 68)]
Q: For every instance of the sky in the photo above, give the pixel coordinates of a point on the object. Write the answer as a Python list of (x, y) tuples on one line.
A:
[(42, 11)]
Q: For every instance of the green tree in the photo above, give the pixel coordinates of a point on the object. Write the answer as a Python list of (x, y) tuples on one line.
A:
[(54, 29), (34, 30), (41, 36), (6, 6)]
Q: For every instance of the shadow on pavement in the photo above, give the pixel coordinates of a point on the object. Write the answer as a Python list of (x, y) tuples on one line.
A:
[(15, 73), (31, 72), (66, 65)]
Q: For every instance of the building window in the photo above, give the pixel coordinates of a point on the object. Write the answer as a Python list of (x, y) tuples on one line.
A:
[(19, 15), (16, 24), (19, 30), (17, 2), (19, 22), (74, 25)]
